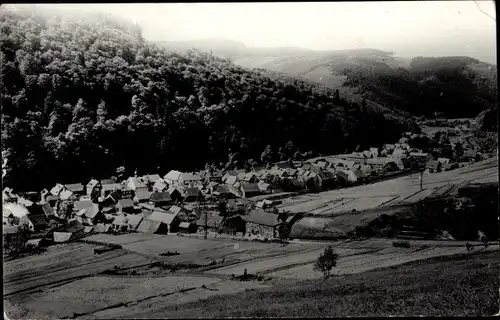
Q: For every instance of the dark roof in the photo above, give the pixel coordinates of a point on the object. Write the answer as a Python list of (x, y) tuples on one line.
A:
[(212, 221), (160, 196), (125, 203), (192, 192), (251, 187), (221, 189), (107, 181), (74, 187), (261, 217), (38, 220), (432, 164), (49, 211)]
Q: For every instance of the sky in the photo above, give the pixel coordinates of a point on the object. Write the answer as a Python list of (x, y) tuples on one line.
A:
[(428, 28)]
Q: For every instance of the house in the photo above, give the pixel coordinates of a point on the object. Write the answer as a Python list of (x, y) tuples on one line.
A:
[(141, 191), (363, 172), (367, 154), (93, 186), (111, 199), (391, 166), (189, 179), (348, 176), (233, 225), (150, 179), (125, 205), (66, 195), (176, 193), (212, 222), (90, 215), (35, 219), (374, 152), (403, 140), (172, 178), (127, 222), (291, 172), (470, 155), (249, 177), (264, 187), (443, 160), (229, 173), (260, 222), (57, 189), (169, 218), (222, 191), (324, 179), (107, 188), (159, 199), (48, 210), (433, 166), (72, 230), (399, 153), (283, 165), (187, 227), (213, 176), (264, 204), (192, 194), (24, 202), (160, 185), (151, 226), (231, 180), (75, 188), (250, 190)]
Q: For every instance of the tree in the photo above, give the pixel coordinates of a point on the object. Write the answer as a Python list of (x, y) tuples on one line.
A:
[(18, 240), (266, 156), (326, 261)]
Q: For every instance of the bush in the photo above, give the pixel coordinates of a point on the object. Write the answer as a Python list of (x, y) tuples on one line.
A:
[(401, 243)]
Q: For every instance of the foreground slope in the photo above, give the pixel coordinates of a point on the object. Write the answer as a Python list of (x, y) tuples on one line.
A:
[(459, 286)]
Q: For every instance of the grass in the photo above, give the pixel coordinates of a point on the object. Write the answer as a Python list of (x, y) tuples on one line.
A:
[(458, 286)]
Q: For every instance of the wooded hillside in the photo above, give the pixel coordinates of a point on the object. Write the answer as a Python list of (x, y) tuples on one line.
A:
[(81, 96)]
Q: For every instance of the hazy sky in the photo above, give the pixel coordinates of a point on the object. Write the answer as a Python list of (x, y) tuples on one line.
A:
[(407, 28)]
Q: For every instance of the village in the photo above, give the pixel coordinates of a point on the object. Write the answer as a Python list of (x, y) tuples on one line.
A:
[(215, 202)]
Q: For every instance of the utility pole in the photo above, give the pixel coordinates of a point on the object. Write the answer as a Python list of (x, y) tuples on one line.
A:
[(206, 225), (421, 179)]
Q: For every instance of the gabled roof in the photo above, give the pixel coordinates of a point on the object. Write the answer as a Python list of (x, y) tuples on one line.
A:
[(212, 221), (107, 182), (283, 165), (125, 203), (174, 210), (262, 217), (92, 183), (173, 175), (24, 202), (189, 177), (152, 177), (148, 226), (83, 204), (134, 183), (192, 192), (221, 189), (166, 218), (160, 185), (111, 186), (131, 220), (185, 225), (251, 187), (160, 196), (47, 209), (230, 180), (56, 190), (65, 194), (74, 187)]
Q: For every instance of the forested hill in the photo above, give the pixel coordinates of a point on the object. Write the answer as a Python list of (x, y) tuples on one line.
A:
[(81, 97)]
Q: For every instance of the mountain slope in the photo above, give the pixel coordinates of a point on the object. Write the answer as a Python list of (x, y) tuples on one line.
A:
[(83, 96), (454, 86)]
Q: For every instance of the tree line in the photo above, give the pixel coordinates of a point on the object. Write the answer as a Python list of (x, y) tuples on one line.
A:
[(82, 97)]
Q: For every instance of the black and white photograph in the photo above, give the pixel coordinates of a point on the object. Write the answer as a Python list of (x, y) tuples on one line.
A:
[(249, 160)]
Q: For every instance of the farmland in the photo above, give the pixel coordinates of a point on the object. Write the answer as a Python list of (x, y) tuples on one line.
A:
[(70, 281), (343, 209)]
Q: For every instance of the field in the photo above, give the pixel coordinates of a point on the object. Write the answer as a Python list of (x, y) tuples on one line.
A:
[(456, 286), (335, 207), (70, 281)]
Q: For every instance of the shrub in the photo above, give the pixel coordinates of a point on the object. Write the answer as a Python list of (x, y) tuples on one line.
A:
[(401, 243)]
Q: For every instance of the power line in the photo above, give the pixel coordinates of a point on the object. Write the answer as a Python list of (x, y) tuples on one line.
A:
[(477, 4)]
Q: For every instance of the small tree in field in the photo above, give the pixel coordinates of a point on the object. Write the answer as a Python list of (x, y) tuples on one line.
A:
[(326, 261)]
